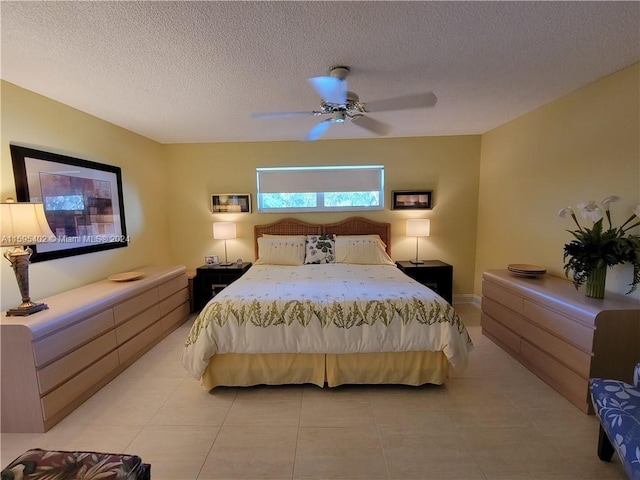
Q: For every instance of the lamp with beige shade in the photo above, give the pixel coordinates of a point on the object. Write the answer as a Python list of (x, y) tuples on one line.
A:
[(224, 231), (418, 227), (23, 224)]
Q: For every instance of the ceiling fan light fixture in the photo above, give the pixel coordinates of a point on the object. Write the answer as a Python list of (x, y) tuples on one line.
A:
[(340, 103), (339, 72)]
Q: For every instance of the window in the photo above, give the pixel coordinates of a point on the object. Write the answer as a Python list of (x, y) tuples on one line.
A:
[(320, 189)]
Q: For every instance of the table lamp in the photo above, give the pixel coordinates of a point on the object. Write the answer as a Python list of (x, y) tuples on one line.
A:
[(224, 231), (418, 227), (21, 225)]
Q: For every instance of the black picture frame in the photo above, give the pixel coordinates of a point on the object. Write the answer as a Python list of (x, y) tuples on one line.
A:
[(83, 201), (231, 203), (411, 199)]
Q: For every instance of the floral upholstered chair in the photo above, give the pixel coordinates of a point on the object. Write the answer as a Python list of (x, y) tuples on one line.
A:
[(617, 405), (38, 464)]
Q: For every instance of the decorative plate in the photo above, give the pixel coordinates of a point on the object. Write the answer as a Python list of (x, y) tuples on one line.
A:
[(125, 276), (526, 270)]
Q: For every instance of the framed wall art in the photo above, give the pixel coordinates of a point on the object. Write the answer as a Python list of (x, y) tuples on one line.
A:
[(82, 201), (411, 200), (231, 203)]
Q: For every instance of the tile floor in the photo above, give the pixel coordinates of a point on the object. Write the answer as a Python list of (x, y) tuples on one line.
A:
[(494, 421)]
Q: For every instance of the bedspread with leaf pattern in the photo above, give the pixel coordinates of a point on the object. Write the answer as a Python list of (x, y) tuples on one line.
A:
[(325, 308)]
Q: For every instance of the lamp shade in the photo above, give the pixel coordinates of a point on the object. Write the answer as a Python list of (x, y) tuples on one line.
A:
[(224, 230), (23, 224), (418, 227)]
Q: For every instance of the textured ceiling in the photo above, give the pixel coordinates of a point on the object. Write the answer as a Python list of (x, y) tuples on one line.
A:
[(195, 71)]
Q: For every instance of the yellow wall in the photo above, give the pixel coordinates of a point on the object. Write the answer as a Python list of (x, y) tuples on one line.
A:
[(504, 187), (38, 122), (584, 146), (447, 165)]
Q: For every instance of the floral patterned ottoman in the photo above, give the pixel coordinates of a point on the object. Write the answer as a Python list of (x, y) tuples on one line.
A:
[(617, 405), (60, 465)]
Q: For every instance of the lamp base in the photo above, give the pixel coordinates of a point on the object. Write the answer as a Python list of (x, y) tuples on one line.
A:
[(26, 310), (417, 262), (226, 264)]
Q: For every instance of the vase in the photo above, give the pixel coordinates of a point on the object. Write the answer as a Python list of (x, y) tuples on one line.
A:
[(596, 281)]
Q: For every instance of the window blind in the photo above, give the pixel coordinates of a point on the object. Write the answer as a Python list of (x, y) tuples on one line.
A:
[(367, 178)]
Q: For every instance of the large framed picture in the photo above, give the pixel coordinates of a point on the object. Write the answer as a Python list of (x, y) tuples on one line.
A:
[(411, 200), (82, 201), (231, 203)]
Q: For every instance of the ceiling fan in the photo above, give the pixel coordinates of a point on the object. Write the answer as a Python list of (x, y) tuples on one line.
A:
[(338, 104)]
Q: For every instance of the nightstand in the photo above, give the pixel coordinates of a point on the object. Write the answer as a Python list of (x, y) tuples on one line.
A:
[(211, 279), (434, 274)]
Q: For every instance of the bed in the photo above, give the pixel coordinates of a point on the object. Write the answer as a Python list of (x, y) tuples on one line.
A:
[(350, 318)]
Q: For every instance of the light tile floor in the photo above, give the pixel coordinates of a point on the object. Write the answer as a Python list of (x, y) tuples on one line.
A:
[(496, 421)]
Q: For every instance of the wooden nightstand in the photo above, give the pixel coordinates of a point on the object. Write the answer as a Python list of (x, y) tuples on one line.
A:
[(434, 274), (211, 279)]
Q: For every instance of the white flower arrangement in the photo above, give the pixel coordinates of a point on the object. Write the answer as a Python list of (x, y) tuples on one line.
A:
[(596, 248)]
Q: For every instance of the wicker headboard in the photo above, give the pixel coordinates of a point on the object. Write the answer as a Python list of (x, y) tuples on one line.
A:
[(348, 226), (285, 226)]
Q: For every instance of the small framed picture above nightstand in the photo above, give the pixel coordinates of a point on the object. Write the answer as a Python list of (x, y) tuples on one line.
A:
[(436, 275)]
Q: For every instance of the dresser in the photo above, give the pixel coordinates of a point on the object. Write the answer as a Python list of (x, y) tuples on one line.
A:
[(55, 359), (558, 333)]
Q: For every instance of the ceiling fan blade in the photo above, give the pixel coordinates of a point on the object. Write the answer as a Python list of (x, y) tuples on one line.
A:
[(405, 102), (317, 131), (283, 114), (331, 89), (371, 124)]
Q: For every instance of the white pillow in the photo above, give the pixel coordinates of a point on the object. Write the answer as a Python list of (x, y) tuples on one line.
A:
[(281, 237), (363, 251), (280, 251), (373, 235)]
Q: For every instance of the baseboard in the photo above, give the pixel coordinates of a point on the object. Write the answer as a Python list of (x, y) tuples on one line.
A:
[(467, 298)]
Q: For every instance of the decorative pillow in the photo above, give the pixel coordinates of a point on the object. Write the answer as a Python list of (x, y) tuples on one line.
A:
[(320, 249), (280, 251), (363, 251)]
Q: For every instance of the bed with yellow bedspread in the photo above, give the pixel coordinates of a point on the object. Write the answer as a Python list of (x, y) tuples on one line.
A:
[(331, 323)]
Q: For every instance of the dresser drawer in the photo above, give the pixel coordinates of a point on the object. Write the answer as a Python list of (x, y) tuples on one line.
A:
[(564, 380), (567, 354), (59, 398), (138, 323), (173, 286), (139, 343), (53, 346), (570, 330), (179, 315), (59, 371), (178, 298), (135, 305), (503, 296), (502, 314), (500, 333)]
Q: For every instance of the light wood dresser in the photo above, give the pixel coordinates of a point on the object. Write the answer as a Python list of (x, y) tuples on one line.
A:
[(54, 360), (560, 334)]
